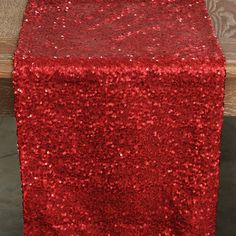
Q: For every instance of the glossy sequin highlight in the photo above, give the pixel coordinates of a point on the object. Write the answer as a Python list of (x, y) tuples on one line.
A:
[(119, 109)]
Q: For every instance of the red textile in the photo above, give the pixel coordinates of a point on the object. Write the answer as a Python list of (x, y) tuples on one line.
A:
[(119, 110)]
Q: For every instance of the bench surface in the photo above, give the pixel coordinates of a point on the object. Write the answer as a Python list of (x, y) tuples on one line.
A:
[(222, 12)]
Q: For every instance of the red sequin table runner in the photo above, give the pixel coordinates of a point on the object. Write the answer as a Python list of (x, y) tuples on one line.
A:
[(119, 109)]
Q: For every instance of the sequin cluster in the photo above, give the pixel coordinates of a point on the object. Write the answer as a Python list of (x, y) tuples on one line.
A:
[(119, 110)]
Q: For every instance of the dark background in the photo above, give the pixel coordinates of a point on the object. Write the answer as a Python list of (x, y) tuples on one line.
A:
[(11, 223)]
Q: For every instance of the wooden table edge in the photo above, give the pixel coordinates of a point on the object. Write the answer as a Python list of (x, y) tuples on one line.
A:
[(8, 47), (6, 68)]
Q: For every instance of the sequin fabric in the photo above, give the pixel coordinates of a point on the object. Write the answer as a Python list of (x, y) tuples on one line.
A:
[(119, 110)]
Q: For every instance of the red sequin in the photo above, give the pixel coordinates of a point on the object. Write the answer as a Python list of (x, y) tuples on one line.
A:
[(119, 110)]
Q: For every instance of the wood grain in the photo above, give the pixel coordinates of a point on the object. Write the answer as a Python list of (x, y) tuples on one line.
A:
[(223, 15), (222, 12), (11, 14)]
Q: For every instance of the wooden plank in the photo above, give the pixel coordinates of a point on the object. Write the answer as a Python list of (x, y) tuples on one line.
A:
[(222, 12), (7, 48), (223, 15), (11, 14)]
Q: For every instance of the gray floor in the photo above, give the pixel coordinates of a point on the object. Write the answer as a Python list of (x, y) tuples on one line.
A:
[(10, 193)]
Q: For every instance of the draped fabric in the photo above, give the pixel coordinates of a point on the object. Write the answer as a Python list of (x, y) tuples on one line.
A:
[(119, 109)]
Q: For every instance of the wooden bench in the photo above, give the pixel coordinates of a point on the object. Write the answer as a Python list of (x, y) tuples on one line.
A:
[(222, 12)]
